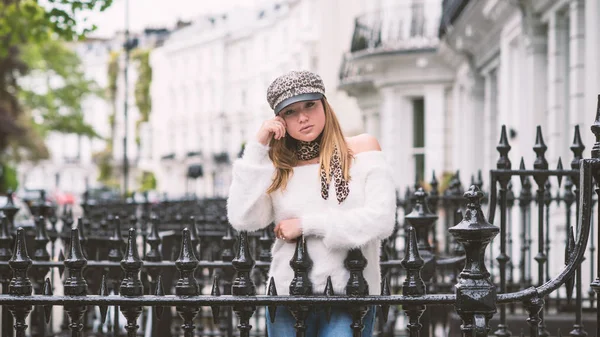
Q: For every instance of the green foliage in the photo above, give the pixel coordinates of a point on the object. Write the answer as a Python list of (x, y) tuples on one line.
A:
[(104, 158), (143, 100), (104, 161), (59, 105), (27, 24), (147, 181), (8, 178), (113, 75)]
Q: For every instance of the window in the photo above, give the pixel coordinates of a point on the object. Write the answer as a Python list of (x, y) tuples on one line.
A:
[(419, 137)]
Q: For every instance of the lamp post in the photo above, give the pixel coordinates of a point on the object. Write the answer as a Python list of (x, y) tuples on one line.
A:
[(128, 45)]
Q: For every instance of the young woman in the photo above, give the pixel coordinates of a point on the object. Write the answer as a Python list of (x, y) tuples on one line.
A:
[(302, 174)]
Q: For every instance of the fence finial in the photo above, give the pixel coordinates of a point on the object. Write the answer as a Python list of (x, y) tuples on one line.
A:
[(503, 148), (540, 149), (475, 293), (20, 285)]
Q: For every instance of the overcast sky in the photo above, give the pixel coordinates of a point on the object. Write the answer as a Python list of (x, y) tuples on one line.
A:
[(158, 13)]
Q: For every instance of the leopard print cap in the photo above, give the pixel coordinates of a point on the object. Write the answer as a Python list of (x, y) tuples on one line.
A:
[(304, 85)]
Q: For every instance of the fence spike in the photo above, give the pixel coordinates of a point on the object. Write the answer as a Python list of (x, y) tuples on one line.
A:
[(272, 291), (10, 211), (521, 168), (82, 237), (385, 291), (131, 285), (103, 292), (159, 291), (216, 291), (5, 242), (61, 258), (116, 242), (559, 167), (577, 148), (243, 284), (75, 284), (228, 241), (187, 286), (154, 254), (540, 149), (47, 291), (194, 235), (569, 250), (328, 292), (265, 243), (20, 285), (503, 148)]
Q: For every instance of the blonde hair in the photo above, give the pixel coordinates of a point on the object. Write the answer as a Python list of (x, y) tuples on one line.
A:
[(282, 152)]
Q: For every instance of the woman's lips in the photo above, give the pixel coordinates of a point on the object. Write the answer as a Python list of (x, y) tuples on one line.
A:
[(306, 128)]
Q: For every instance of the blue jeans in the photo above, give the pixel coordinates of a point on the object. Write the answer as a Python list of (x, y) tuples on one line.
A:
[(317, 325)]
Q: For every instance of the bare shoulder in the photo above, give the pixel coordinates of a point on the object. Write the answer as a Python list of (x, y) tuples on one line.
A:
[(363, 143)]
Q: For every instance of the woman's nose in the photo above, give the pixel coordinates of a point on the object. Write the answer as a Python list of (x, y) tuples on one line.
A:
[(302, 116)]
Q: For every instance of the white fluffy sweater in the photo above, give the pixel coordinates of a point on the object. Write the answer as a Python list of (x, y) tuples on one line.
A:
[(365, 218)]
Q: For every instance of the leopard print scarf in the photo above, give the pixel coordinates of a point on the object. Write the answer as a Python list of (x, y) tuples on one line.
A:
[(310, 150)]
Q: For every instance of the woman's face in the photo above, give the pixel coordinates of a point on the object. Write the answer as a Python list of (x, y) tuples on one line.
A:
[(304, 120)]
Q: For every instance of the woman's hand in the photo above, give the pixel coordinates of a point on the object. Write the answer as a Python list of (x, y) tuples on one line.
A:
[(288, 230), (271, 128)]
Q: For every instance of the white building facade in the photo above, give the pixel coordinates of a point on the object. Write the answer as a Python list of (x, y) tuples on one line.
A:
[(210, 81), (437, 97), (401, 84)]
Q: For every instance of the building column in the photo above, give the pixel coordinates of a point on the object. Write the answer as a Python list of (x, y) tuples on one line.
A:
[(372, 122), (396, 135), (577, 74), (491, 129), (468, 126), (535, 73), (557, 130), (435, 129)]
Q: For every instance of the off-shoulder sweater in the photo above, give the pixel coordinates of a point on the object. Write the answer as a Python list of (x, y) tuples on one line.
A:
[(330, 229)]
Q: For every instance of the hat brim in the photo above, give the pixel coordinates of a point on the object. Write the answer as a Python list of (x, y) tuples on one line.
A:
[(296, 99)]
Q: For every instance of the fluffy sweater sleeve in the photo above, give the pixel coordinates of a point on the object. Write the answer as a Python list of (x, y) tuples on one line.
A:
[(352, 228), (249, 207)]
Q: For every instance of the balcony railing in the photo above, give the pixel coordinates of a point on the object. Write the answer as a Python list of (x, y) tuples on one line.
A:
[(451, 9), (408, 27)]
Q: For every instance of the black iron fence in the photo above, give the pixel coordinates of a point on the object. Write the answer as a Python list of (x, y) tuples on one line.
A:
[(196, 277)]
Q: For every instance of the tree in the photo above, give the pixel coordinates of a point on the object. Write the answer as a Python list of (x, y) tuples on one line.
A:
[(58, 106), (143, 100), (25, 23)]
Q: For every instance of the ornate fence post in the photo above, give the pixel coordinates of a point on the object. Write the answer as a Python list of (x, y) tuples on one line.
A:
[(187, 286), (356, 262), (39, 273), (75, 285), (503, 258), (20, 284), (301, 284), (475, 293), (6, 243), (243, 285), (413, 284), (422, 220), (131, 286)]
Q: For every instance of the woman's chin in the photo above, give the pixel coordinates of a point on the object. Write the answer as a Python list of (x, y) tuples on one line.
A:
[(305, 137)]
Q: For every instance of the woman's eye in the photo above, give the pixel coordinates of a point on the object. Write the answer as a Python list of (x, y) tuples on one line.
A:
[(289, 112), (310, 104)]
